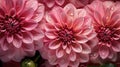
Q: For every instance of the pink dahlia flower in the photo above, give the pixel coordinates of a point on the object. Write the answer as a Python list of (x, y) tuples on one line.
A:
[(67, 31), (18, 28), (106, 21)]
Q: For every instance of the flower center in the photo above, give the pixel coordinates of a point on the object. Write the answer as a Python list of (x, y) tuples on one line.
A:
[(65, 35), (106, 34), (10, 25)]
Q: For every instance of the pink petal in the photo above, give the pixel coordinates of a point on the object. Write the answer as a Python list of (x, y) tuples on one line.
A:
[(59, 53), (87, 31), (72, 56), (51, 18), (81, 13), (27, 14), (81, 39), (39, 13), (70, 10), (86, 49), (116, 46), (9, 4), (77, 47), (68, 49), (64, 62), (27, 37), (29, 25), (60, 2), (75, 63), (114, 19), (64, 46), (50, 35), (104, 52), (3, 43), (84, 57), (50, 3), (117, 25), (19, 5), (93, 42), (77, 3), (92, 35), (9, 38), (37, 35), (49, 27), (54, 44), (19, 35), (2, 13), (12, 12), (107, 16), (59, 15), (78, 24), (28, 47), (17, 42), (111, 55), (98, 18), (19, 55), (31, 4)]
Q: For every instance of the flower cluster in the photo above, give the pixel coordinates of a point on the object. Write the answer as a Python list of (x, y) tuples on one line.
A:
[(67, 33)]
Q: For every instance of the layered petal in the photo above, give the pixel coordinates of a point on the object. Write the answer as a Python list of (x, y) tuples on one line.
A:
[(104, 52)]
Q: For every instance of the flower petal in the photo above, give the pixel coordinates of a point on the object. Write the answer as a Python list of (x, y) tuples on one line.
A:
[(3, 43), (78, 24), (72, 56), (12, 12), (50, 35), (2, 13), (19, 5), (86, 49), (9, 38), (93, 42), (37, 35), (64, 46), (84, 57), (92, 35), (116, 46), (27, 14), (60, 2), (17, 42), (28, 47), (31, 4), (64, 62), (104, 52), (68, 49), (50, 3), (87, 31), (59, 53), (77, 47), (54, 44), (39, 13), (81, 39), (9, 4), (29, 25), (27, 37), (70, 10), (59, 15)]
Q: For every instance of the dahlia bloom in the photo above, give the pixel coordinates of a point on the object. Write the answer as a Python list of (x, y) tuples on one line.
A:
[(51, 3), (67, 31), (106, 23), (18, 28)]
